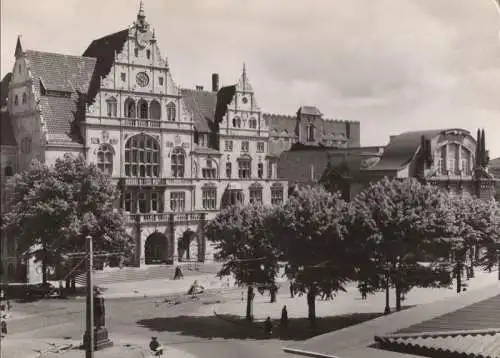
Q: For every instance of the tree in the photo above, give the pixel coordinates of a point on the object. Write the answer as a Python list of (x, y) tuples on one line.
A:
[(310, 231), (55, 208), (243, 242), (395, 224)]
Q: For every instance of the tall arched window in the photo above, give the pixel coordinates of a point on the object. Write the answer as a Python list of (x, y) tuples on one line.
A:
[(112, 106), (177, 161), (276, 194), (155, 109), (105, 159), (171, 112), (465, 161), (16, 100), (24, 98), (129, 108), (142, 157), (142, 108), (237, 122), (244, 167)]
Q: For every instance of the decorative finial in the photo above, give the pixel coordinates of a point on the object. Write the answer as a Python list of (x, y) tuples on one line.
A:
[(141, 23), (244, 69), (154, 33)]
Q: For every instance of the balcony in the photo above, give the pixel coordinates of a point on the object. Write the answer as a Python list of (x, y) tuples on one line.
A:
[(141, 122), (136, 181), (179, 218)]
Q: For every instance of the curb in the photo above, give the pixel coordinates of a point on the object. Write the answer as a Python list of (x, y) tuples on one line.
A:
[(307, 353)]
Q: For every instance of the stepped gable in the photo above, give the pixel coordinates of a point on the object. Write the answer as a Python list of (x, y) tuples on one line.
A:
[(60, 83), (202, 105), (401, 149), (280, 124), (6, 131), (103, 50), (4, 89)]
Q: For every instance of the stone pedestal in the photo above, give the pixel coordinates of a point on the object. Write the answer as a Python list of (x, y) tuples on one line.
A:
[(101, 339)]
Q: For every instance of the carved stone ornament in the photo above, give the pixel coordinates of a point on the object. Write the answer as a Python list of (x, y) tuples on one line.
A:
[(113, 141), (169, 144), (94, 140), (157, 137), (125, 136), (177, 139), (185, 145), (105, 136)]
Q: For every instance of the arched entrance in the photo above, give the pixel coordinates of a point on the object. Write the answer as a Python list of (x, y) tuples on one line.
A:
[(184, 245), (155, 249)]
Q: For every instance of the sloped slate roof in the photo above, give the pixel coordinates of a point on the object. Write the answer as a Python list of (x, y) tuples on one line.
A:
[(202, 105), (295, 166), (63, 73), (401, 150), (6, 131), (280, 124), (4, 89), (103, 50), (495, 163), (473, 331)]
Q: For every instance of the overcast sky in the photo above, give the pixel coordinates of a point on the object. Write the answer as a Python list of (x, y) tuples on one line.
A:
[(393, 65)]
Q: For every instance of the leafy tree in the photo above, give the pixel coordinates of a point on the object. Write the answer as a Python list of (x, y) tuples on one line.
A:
[(310, 231), (395, 224), (243, 242), (55, 208)]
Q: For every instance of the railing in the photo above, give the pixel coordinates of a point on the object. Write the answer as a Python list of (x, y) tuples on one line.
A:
[(145, 181), (164, 217), (141, 122)]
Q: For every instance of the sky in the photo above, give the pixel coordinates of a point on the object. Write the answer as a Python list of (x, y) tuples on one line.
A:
[(392, 65)]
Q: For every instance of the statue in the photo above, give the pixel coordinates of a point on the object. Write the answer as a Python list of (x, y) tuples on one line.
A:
[(99, 310)]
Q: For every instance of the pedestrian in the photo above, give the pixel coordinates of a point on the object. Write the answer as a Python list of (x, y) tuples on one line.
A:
[(268, 326), (292, 290), (284, 318), (4, 315), (4, 299), (156, 347), (178, 273)]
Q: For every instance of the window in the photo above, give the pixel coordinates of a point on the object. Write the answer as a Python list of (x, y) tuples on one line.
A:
[(155, 109), (130, 108), (26, 145), (16, 100), (260, 147), (255, 194), (236, 122), (440, 163), (8, 172), (177, 201), (269, 170), (143, 109), (142, 202), (244, 146), (260, 170), (24, 98), (171, 112), (253, 123), (310, 132), (136, 52), (244, 168), (142, 157), (128, 202), (201, 140), (160, 81), (177, 160), (452, 157), (228, 169), (209, 197), (123, 76), (112, 107), (276, 194), (105, 159), (155, 201), (19, 68), (209, 172), (228, 145), (148, 54), (465, 158)]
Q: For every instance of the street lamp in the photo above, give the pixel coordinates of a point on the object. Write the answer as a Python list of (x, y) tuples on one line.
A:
[(90, 300)]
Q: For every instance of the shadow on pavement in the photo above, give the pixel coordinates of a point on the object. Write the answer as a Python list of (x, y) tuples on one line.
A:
[(234, 327)]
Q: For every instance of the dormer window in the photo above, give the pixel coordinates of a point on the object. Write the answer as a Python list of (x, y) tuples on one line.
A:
[(24, 98), (310, 132)]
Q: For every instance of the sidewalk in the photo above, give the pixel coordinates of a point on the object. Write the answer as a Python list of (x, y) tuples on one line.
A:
[(345, 302), (123, 347)]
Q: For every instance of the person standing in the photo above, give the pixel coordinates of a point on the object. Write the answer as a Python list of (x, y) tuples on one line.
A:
[(4, 315), (156, 347), (268, 326), (284, 318)]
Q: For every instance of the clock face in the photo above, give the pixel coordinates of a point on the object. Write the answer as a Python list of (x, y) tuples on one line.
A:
[(141, 39), (142, 79), (244, 100)]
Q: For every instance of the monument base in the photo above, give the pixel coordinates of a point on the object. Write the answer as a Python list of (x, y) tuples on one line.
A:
[(101, 339)]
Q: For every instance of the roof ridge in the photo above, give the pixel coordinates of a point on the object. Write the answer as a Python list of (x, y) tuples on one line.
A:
[(61, 54)]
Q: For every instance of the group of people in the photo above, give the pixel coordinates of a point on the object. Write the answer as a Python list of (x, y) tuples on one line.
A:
[(4, 313), (268, 324)]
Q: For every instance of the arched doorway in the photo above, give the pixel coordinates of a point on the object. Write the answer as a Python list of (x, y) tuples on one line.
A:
[(155, 249), (184, 245)]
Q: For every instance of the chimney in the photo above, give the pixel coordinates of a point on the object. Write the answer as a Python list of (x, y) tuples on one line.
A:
[(215, 82), (199, 88)]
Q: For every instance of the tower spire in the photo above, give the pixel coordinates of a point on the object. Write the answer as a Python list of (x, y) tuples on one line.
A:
[(141, 23), (19, 47)]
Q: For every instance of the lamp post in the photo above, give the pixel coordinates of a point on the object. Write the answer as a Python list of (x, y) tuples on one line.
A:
[(387, 309), (89, 353)]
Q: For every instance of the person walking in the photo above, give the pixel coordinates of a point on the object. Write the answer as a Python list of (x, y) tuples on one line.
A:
[(4, 315), (292, 290), (178, 273), (268, 326), (284, 318)]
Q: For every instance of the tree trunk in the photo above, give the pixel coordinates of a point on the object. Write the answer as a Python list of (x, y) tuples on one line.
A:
[(398, 296), (44, 265), (250, 296), (311, 304), (459, 277)]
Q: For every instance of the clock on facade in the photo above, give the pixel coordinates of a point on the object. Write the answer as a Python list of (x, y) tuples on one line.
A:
[(244, 100), (141, 39), (142, 79)]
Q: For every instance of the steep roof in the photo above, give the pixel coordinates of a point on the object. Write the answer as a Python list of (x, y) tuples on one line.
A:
[(103, 50), (302, 166), (70, 77), (280, 124), (202, 106), (4, 89), (310, 110), (473, 331), (6, 131), (401, 150)]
